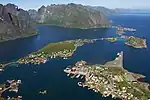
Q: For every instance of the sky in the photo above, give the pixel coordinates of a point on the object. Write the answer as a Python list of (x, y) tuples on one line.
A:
[(35, 4)]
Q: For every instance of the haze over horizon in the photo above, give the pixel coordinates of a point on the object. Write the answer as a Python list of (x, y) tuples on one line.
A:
[(35, 4)]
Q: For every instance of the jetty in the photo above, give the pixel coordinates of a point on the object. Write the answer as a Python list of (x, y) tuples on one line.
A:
[(2, 66)]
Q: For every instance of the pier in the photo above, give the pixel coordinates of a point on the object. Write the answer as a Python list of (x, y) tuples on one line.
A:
[(2, 66)]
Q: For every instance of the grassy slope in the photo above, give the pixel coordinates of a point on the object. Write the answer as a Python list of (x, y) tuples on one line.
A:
[(56, 47)]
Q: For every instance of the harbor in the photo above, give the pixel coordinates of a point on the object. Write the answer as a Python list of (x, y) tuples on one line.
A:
[(110, 79), (11, 86)]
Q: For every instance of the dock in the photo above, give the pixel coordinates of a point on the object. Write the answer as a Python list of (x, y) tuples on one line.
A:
[(76, 72), (12, 86)]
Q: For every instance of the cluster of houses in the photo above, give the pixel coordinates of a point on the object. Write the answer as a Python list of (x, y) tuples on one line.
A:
[(12, 86), (34, 58), (42, 57), (64, 54), (100, 79)]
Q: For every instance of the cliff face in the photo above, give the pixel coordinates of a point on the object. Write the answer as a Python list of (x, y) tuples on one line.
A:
[(14, 22), (71, 15)]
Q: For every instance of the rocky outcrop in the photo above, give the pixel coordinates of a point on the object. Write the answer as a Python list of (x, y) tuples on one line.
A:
[(15, 23), (71, 15)]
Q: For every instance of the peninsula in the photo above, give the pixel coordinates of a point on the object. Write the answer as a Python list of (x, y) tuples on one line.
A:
[(63, 50), (111, 79)]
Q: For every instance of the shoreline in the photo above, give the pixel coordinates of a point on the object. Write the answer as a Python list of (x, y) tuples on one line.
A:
[(75, 27), (136, 47), (44, 54), (19, 37)]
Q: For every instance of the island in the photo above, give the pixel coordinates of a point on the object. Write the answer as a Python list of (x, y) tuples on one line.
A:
[(135, 42), (63, 50), (110, 79), (11, 86), (132, 41)]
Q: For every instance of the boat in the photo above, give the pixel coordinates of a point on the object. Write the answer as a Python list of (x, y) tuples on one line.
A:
[(82, 77), (43, 92), (68, 74), (19, 81), (1, 70), (80, 84), (78, 76)]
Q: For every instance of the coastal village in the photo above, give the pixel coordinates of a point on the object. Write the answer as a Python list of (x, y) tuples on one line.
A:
[(11, 86), (64, 50), (110, 79), (53, 50)]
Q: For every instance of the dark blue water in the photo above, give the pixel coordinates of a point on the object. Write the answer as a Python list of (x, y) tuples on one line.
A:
[(50, 76)]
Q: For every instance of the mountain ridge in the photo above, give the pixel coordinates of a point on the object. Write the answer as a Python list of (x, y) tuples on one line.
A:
[(70, 15), (15, 23)]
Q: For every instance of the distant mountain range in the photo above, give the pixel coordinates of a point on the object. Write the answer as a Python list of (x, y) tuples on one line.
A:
[(122, 10), (16, 22), (70, 15), (104, 10)]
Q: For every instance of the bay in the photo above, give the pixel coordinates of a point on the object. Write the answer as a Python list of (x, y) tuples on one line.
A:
[(50, 76)]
